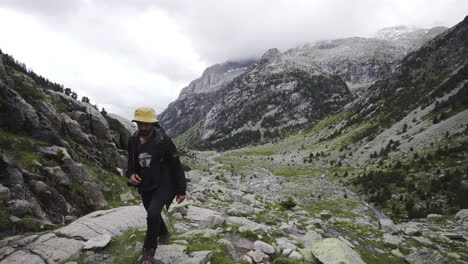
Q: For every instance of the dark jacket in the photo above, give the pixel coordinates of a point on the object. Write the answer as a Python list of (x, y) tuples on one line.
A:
[(171, 160)]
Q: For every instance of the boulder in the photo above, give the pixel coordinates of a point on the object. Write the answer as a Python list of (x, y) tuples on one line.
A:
[(332, 250), (73, 128), (98, 123), (258, 256), (113, 221), (264, 247), (98, 242), (57, 175), (247, 224), (199, 257), (16, 181), (394, 241), (426, 256), (388, 226), (285, 243), (412, 231), (201, 215), (37, 249), (433, 216), (171, 254), (462, 215), (19, 208), (52, 200), (296, 255), (5, 193), (201, 232), (16, 115), (325, 214), (122, 128), (311, 238)]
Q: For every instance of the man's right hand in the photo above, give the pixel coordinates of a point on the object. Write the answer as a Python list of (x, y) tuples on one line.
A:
[(135, 179)]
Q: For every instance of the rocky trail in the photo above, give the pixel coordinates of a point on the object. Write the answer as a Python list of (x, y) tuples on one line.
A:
[(232, 218)]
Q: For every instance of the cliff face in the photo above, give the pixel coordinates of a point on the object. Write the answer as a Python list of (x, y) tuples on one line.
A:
[(60, 158)]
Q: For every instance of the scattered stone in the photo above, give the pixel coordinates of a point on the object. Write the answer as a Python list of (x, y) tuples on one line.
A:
[(296, 255), (258, 256), (201, 215), (216, 220), (411, 231), (98, 242), (426, 256), (423, 241), (227, 244), (264, 247), (314, 223), (462, 215), (433, 216), (247, 258), (394, 241), (201, 232), (15, 220), (56, 151), (285, 243), (286, 252), (325, 214), (199, 257), (138, 247), (243, 243), (454, 236), (171, 254), (396, 252), (125, 197), (453, 255), (311, 238), (232, 211)]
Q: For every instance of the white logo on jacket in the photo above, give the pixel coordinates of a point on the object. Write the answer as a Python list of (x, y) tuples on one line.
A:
[(144, 159)]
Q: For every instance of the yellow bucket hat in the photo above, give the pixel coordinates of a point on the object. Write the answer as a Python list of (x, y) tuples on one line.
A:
[(145, 114)]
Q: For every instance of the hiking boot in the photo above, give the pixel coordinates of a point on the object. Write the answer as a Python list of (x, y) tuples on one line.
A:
[(148, 256)]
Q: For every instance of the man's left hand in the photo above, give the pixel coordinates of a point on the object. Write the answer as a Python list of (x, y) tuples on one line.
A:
[(180, 198)]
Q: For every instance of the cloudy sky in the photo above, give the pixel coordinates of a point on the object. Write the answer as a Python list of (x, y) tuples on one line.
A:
[(124, 54)]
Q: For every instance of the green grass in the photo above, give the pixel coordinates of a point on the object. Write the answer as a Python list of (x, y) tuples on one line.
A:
[(332, 120), (295, 171), (338, 208), (116, 183), (220, 254), (21, 150), (185, 139)]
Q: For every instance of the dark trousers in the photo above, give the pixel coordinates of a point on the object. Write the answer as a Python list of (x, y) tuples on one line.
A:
[(154, 202)]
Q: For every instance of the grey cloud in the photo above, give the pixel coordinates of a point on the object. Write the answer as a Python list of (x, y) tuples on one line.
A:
[(222, 30), (45, 8)]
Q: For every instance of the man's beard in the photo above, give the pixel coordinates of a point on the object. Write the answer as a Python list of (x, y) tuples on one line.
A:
[(145, 133)]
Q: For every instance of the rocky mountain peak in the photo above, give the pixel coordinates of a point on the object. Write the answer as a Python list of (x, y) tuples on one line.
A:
[(270, 55), (214, 76)]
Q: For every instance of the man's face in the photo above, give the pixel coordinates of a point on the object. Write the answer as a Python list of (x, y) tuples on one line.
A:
[(145, 128)]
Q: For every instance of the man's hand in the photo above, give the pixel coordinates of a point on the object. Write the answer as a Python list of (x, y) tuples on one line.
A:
[(180, 198), (135, 179)]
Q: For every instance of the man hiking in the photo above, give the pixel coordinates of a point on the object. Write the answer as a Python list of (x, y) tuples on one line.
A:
[(154, 166)]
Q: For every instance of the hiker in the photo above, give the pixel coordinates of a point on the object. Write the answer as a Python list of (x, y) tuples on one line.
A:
[(154, 167)]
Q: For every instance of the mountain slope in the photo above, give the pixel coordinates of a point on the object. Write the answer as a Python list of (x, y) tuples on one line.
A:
[(59, 158), (203, 107)]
